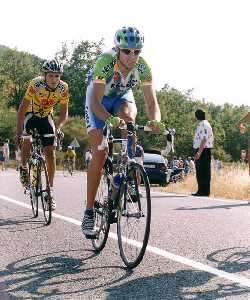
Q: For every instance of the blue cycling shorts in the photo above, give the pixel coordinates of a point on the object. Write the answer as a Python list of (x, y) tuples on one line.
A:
[(112, 105)]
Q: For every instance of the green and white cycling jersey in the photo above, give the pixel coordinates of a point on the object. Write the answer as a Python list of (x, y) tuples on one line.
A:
[(106, 71)]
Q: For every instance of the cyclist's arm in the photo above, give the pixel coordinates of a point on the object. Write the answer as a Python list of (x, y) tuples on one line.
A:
[(96, 101), (20, 116), (63, 116), (152, 105)]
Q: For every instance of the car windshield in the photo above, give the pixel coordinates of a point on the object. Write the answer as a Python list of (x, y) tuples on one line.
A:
[(156, 158)]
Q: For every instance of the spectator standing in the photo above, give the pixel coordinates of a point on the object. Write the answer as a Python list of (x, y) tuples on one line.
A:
[(6, 150), (2, 155), (18, 158), (243, 129), (202, 144), (88, 158), (191, 164)]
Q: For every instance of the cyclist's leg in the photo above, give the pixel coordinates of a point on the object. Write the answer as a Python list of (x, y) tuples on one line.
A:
[(94, 128), (28, 125), (50, 158), (46, 126), (125, 107), (95, 168)]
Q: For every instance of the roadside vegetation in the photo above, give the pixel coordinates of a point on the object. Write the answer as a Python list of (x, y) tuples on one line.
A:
[(230, 182)]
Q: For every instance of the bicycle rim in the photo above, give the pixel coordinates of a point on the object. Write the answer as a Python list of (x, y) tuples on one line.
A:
[(101, 214), (33, 189), (44, 192), (134, 217)]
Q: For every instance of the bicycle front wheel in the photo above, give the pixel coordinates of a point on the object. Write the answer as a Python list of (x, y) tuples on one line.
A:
[(44, 193), (101, 211), (134, 217), (33, 189)]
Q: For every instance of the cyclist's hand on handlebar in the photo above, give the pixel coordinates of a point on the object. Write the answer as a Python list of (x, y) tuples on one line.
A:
[(157, 126), (115, 121)]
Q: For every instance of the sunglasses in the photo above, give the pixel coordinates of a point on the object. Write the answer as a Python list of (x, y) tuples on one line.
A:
[(129, 51)]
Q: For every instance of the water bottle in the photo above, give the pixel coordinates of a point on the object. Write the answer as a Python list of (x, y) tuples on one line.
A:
[(116, 186)]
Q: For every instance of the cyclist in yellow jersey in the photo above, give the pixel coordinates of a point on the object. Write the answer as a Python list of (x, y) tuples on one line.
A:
[(109, 98), (35, 112), (70, 155)]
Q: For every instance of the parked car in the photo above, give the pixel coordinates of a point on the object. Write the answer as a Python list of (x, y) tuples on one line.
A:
[(156, 167)]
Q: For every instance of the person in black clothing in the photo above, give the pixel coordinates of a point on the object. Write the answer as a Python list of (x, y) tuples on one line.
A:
[(202, 144)]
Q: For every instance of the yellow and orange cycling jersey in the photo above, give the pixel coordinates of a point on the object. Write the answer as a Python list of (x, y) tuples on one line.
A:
[(42, 100), (70, 153)]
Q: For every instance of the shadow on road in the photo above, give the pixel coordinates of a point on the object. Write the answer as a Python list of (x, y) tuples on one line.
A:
[(14, 224), (58, 275), (184, 284), (224, 206), (231, 260)]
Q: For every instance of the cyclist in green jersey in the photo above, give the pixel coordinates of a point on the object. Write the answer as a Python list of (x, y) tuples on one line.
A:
[(109, 98)]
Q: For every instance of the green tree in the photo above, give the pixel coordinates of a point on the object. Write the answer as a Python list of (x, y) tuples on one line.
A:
[(76, 69), (16, 70)]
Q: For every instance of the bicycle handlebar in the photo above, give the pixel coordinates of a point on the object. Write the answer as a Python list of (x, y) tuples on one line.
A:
[(136, 127)]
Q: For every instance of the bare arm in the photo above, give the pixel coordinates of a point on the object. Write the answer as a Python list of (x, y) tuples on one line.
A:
[(152, 105), (20, 116), (202, 146), (63, 115), (96, 101)]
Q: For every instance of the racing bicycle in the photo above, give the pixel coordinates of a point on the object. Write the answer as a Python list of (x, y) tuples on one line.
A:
[(38, 181), (129, 208)]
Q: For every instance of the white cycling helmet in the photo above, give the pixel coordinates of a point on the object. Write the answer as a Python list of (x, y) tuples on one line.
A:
[(52, 66)]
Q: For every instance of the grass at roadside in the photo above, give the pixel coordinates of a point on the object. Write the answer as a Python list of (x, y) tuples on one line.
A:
[(231, 182)]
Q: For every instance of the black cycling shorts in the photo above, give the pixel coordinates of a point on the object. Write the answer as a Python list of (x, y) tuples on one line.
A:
[(43, 125)]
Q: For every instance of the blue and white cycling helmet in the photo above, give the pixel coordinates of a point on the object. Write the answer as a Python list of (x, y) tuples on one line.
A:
[(52, 66), (129, 38)]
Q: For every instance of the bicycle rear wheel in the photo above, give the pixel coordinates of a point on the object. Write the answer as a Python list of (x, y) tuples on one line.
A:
[(33, 189), (44, 193), (101, 211), (134, 217)]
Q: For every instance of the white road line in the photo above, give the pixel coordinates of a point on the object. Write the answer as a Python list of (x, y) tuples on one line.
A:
[(177, 258)]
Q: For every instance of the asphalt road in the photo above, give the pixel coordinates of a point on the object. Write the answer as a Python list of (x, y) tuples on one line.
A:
[(199, 248)]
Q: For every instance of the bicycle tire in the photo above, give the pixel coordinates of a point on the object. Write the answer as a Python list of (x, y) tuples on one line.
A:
[(101, 211), (131, 209), (33, 189), (44, 192)]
